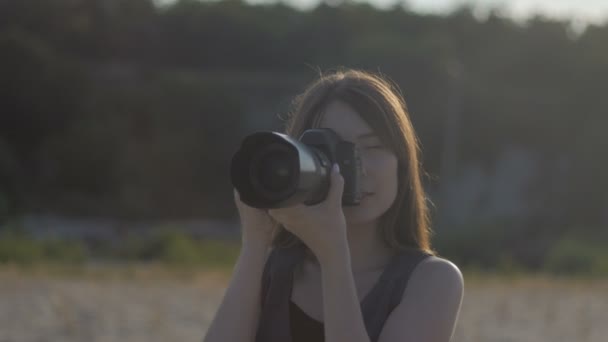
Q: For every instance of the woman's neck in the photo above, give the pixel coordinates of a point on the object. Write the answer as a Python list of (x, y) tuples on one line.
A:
[(368, 251)]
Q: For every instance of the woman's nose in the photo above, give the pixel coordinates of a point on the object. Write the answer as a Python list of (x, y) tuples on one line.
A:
[(363, 166)]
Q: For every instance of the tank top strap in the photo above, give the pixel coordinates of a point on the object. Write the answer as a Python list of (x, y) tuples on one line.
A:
[(406, 263), (386, 295), (277, 281)]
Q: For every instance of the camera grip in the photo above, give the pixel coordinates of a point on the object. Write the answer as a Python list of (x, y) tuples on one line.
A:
[(348, 158)]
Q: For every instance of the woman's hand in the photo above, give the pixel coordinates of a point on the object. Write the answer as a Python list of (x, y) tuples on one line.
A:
[(321, 226), (256, 224)]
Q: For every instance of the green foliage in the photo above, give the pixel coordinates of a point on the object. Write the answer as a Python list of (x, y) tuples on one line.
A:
[(172, 247), (498, 247), (132, 110), (4, 206), (167, 246), (40, 87), (572, 255), (20, 250), (203, 73), (149, 145), (18, 247), (480, 245), (64, 251), (176, 248)]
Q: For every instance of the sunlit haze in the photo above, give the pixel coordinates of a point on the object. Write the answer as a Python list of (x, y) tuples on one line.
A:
[(579, 11)]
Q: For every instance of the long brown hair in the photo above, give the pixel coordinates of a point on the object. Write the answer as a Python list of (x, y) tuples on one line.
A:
[(406, 224)]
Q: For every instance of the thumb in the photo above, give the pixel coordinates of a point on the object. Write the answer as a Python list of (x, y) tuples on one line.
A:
[(336, 186)]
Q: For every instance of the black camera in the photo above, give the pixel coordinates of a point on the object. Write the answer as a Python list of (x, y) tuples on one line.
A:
[(273, 170)]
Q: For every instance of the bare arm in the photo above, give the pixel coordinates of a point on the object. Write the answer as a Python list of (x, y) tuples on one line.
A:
[(341, 308), (237, 317), (428, 312), (430, 306)]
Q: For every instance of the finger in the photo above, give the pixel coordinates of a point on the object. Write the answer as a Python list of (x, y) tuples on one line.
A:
[(296, 208), (237, 198), (281, 212), (297, 211), (275, 214), (286, 214), (336, 186)]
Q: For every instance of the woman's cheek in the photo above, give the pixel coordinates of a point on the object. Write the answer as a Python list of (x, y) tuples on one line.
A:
[(388, 180)]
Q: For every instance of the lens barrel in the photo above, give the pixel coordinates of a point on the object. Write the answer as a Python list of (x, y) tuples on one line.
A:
[(273, 170)]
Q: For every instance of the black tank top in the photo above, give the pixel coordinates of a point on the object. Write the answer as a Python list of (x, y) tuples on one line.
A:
[(281, 320), (303, 327)]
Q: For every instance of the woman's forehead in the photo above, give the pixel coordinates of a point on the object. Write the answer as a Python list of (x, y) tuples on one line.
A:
[(343, 119)]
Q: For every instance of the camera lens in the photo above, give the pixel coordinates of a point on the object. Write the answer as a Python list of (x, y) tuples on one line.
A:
[(275, 170), (272, 169)]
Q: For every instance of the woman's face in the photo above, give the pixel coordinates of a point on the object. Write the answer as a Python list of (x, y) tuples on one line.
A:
[(379, 164)]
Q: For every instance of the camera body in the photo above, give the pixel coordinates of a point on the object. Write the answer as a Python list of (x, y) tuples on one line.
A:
[(274, 170)]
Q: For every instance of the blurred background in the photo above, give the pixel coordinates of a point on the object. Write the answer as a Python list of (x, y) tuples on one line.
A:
[(118, 120)]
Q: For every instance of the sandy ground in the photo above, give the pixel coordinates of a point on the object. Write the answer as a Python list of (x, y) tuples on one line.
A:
[(150, 305)]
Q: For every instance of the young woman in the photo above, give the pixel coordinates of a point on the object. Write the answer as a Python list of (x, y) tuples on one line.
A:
[(336, 273)]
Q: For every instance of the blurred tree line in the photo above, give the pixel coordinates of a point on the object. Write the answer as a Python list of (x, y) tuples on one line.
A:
[(121, 108)]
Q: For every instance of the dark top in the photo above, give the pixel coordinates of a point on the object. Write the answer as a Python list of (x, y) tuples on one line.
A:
[(283, 321), (303, 327)]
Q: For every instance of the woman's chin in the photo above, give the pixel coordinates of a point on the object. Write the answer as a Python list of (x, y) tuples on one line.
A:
[(358, 216)]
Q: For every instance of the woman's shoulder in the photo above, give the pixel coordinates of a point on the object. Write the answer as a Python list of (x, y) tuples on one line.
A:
[(424, 266), (438, 271), (430, 303), (437, 261)]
